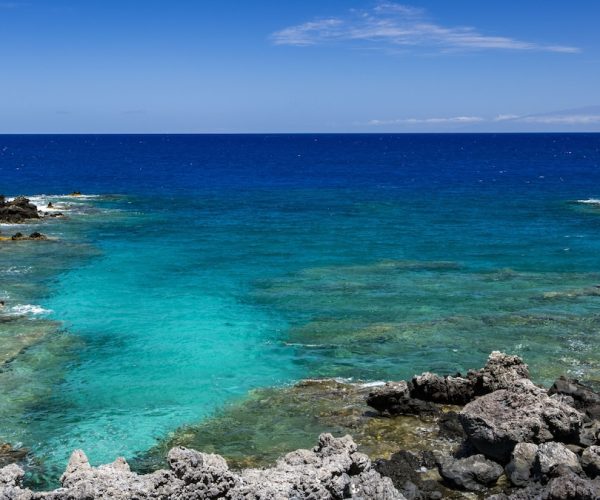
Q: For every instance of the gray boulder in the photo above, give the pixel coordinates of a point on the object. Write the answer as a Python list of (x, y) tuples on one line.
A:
[(203, 475), (570, 486), (552, 454), (520, 468), (473, 473), (523, 413)]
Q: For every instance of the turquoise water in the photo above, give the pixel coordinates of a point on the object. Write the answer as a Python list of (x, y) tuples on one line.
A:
[(168, 295)]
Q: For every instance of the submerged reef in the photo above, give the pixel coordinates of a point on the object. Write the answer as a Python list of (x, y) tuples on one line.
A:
[(499, 436)]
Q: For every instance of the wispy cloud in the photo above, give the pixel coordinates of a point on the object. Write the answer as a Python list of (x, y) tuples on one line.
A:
[(562, 119), (396, 25), (581, 116), (427, 121)]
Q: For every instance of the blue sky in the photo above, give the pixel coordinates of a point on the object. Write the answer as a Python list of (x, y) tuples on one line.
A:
[(299, 66)]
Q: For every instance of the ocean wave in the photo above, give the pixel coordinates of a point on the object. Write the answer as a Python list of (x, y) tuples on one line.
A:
[(14, 270), (590, 201), (65, 203), (28, 309)]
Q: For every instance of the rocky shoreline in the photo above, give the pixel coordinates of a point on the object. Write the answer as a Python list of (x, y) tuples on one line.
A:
[(20, 210), (514, 440), (17, 210)]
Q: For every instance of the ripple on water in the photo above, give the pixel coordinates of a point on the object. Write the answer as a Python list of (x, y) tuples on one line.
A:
[(391, 319)]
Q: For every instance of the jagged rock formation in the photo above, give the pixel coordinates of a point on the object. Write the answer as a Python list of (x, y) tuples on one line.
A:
[(332, 470), (546, 442), (524, 413), (17, 210)]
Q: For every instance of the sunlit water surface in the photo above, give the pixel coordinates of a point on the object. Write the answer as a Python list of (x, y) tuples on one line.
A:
[(206, 266)]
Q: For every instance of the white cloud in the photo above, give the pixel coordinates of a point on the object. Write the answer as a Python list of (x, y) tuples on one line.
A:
[(580, 116), (393, 24), (504, 118), (562, 119), (427, 121)]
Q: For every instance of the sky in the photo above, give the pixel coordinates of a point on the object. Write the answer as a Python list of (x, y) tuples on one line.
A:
[(223, 66)]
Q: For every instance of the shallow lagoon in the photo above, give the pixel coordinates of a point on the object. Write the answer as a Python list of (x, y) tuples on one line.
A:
[(225, 264)]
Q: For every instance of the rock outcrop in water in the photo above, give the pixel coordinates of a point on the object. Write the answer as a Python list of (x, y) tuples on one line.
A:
[(514, 441), (35, 236), (17, 210)]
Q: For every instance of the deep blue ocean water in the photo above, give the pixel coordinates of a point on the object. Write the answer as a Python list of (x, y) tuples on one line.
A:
[(199, 267)]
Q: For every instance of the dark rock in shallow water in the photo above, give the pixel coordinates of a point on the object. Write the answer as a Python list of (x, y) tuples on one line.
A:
[(474, 473), (407, 470), (17, 210), (450, 426), (32, 236), (9, 455), (394, 399), (500, 372), (444, 390), (496, 422), (332, 470), (584, 398)]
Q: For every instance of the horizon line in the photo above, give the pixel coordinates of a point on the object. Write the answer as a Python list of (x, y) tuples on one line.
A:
[(2, 134)]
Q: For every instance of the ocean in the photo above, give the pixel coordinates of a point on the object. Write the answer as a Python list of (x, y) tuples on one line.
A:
[(196, 268)]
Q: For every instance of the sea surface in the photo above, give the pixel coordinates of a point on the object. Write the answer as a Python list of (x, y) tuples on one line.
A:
[(196, 268)]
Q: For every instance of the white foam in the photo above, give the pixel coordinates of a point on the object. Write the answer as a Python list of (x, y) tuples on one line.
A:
[(41, 202), (590, 201), (377, 383), (28, 309)]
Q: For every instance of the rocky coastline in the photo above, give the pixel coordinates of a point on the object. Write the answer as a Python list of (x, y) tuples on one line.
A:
[(513, 440), (17, 210), (20, 210)]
